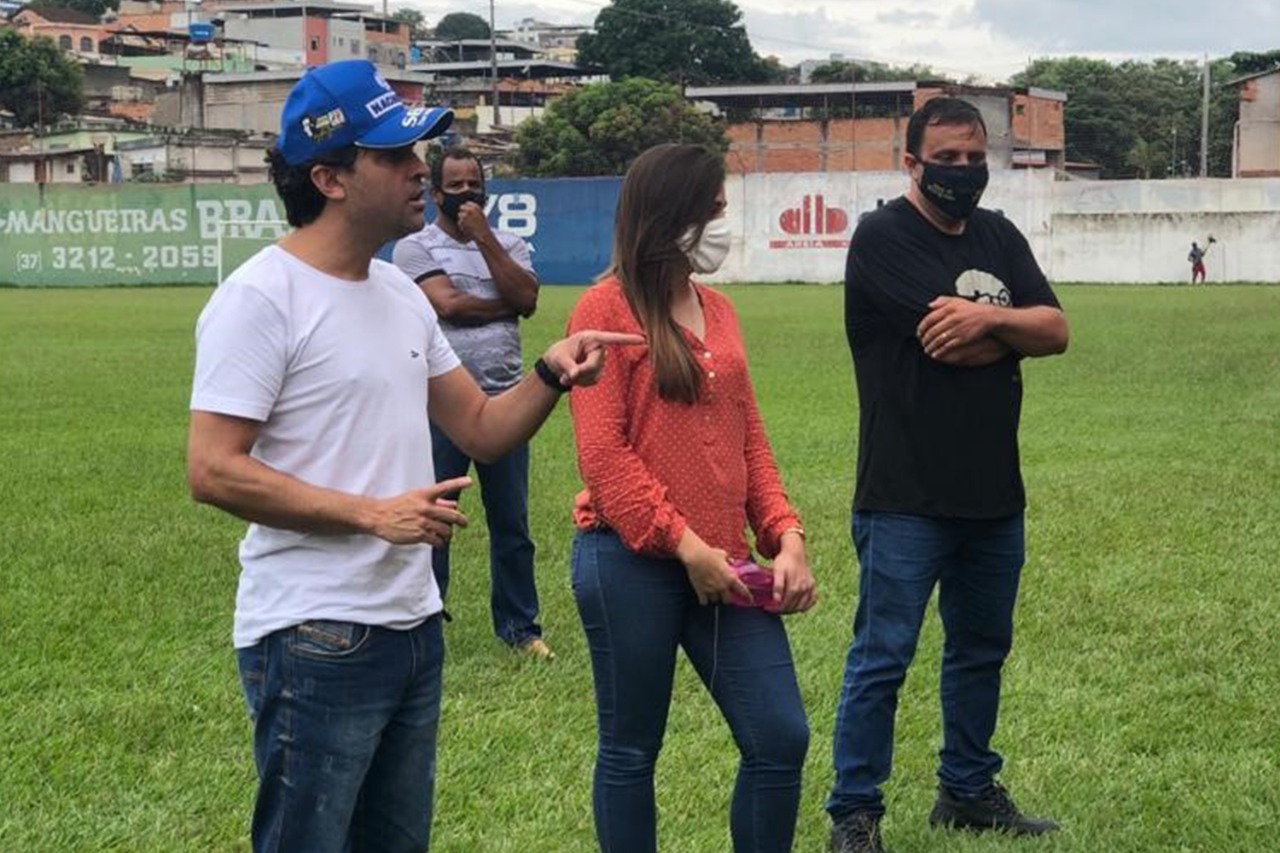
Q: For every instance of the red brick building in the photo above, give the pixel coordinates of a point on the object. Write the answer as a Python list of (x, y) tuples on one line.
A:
[(840, 127)]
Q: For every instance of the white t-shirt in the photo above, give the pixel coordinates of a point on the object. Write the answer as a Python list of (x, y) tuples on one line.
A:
[(336, 371)]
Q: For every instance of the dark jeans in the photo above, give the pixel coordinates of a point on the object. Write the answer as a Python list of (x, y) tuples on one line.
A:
[(976, 565), (344, 736), (504, 489), (636, 612)]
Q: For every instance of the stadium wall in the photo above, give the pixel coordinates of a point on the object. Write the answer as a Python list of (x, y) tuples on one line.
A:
[(788, 227)]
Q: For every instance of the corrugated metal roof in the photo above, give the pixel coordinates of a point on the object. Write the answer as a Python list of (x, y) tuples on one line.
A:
[(1254, 76)]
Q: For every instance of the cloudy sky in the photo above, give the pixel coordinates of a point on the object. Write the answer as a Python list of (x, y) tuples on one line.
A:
[(991, 38)]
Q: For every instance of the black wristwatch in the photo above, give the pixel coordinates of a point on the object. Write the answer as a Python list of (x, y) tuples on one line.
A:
[(548, 376)]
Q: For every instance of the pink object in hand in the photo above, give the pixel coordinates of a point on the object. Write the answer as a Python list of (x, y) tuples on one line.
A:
[(759, 581)]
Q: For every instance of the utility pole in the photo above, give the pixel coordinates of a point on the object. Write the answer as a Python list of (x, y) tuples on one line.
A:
[(1204, 123), (493, 65)]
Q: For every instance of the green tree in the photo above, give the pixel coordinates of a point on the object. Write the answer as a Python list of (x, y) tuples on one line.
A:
[(1148, 158), (1246, 62), (600, 129), (776, 72), (844, 106), (1098, 117), (857, 72), (1112, 108), (695, 42), (89, 7), (37, 83), (461, 25), (414, 20)]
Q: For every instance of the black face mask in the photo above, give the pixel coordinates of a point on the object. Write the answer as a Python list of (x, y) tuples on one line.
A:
[(955, 190), (453, 202)]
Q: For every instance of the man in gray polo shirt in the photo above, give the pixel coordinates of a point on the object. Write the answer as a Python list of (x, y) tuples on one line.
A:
[(481, 282)]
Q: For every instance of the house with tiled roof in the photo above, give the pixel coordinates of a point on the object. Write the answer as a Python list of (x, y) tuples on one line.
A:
[(72, 30)]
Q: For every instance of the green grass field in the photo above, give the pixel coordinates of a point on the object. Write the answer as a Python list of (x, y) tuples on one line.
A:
[(1139, 702)]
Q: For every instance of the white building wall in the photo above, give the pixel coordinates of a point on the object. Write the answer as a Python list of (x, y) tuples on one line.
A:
[(252, 106), (346, 40), (65, 170), (277, 57), (202, 158), (796, 227), (287, 34), (1258, 131), (509, 116), (153, 156)]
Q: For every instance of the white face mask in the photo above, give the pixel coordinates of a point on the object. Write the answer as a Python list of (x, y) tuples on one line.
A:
[(709, 252)]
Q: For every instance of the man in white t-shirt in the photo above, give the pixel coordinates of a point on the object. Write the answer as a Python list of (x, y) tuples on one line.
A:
[(316, 368), (480, 281)]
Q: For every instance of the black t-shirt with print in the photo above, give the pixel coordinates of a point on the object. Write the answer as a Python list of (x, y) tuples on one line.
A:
[(935, 440)]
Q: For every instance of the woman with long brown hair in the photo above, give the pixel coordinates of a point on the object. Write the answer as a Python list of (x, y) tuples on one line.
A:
[(676, 465)]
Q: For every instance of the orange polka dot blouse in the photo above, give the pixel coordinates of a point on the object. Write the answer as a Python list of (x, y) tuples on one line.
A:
[(653, 468)]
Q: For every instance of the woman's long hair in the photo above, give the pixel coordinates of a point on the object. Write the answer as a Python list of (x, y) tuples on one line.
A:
[(668, 189)]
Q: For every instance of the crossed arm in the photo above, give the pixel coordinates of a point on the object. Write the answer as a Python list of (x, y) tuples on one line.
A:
[(517, 286), (959, 332)]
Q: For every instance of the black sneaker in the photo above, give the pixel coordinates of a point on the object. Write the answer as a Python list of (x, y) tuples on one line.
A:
[(858, 832), (992, 810)]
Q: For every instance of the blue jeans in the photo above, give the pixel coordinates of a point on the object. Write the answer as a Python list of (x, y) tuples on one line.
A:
[(504, 490), (636, 612), (344, 736), (976, 565)]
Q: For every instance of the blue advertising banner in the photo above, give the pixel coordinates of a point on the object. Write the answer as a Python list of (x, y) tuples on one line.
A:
[(567, 222)]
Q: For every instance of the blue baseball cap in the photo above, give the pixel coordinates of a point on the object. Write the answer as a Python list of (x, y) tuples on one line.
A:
[(348, 103)]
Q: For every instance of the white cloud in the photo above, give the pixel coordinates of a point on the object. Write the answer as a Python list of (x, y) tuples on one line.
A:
[(907, 18), (1140, 27), (990, 38)]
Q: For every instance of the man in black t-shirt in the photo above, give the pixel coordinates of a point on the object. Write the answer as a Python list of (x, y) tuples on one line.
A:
[(942, 301)]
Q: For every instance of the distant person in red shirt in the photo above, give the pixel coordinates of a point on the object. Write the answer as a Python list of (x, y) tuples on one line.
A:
[(676, 465), (1196, 256)]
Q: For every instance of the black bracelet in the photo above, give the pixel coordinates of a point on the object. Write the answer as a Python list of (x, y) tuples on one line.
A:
[(548, 376)]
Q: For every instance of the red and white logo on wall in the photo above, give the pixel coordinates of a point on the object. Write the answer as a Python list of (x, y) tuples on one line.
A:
[(813, 225)]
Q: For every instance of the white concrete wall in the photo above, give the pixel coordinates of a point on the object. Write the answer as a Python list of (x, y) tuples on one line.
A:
[(284, 33), (246, 106), (202, 158), (1265, 105), (1088, 231), (75, 176), (279, 58), (1141, 230), (346, 40), (21, 172), (508, 115)]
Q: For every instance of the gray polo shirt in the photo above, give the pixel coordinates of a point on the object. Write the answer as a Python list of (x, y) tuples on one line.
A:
[(491, 353)]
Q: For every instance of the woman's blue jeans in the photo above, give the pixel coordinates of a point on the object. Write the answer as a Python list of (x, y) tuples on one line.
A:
[(636, 612), (976, 566), (345, 718)]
